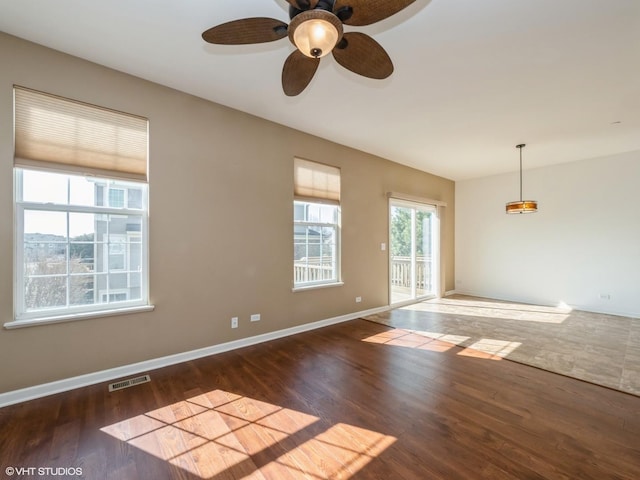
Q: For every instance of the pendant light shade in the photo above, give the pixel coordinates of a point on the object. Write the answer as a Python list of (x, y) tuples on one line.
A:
[(522, 206)]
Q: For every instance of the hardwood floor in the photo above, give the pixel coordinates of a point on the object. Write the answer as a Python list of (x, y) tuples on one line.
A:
[(333, 403)]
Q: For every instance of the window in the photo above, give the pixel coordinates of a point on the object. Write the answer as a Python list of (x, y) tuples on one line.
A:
[(81, 209), (114, 297), (73, 252), (134, 198), (116, 252), (316, 224), (116, 197)]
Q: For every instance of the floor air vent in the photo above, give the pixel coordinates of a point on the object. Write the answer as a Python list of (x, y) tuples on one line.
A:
[(129, 383)]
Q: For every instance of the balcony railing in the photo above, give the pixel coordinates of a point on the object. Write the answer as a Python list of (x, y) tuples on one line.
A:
[(313, 269), (401, 272)]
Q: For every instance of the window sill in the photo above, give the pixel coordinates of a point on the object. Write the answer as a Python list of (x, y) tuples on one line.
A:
[(34, 322), (314, 287)]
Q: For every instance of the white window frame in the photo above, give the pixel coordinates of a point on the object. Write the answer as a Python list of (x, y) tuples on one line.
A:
[(22, 317)]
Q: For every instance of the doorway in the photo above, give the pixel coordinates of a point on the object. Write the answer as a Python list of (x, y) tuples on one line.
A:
[(413, 251)]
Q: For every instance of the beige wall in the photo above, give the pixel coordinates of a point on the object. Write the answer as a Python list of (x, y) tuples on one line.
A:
[(220, 225)]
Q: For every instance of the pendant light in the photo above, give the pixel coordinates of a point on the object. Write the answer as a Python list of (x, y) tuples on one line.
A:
[(522, 206)]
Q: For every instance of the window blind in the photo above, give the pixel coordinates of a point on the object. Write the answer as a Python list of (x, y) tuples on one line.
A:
[(52, 131), (316, 182)]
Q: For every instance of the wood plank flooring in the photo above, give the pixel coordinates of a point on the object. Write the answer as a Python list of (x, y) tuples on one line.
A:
[(339, 402)]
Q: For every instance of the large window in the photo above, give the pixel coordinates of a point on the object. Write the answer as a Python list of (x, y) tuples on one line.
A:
[(74, 255), (316, 224), (81, 209)]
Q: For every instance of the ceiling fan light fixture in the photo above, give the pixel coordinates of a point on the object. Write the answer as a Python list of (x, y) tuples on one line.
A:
[(522, 206), (315, 32)]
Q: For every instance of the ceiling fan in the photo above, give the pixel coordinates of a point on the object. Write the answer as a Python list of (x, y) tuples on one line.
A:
[(316, 30)]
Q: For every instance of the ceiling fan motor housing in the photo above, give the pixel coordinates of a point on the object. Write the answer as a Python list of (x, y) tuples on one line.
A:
[(322, 5)]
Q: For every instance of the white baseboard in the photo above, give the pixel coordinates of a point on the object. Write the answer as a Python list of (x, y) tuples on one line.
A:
[(37, 391), (448, 293)]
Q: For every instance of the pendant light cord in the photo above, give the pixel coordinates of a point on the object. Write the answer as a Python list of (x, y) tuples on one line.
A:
[(520, 173), (520, 147)]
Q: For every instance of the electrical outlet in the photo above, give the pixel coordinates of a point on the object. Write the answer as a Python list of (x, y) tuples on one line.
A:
[(234, 322), (358, 299), (605, 296), (383, 246), (255, 317)]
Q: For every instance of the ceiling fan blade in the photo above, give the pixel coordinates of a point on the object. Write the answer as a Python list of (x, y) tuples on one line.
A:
[(245, 31), (297, 72), (303, 4), (366, 12), (363, 55)]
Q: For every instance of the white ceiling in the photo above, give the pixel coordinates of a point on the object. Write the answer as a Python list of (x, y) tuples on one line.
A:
[(472, 78)]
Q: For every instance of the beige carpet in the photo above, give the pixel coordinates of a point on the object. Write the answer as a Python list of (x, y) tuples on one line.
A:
[(601, 349)]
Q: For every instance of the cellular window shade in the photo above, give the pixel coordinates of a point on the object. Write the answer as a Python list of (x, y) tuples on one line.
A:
[(316, 182), (52, 131)]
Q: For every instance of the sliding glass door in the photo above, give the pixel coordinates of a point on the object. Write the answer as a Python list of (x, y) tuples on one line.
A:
[(412, 253)]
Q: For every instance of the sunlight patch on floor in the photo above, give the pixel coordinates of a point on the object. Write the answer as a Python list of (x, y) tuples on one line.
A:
[(409, 338), (339, 452), (490, 348), (444, 337), (493, 310), (219, 432)]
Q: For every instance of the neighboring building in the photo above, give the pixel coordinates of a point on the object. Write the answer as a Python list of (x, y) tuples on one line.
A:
[(118, 246)]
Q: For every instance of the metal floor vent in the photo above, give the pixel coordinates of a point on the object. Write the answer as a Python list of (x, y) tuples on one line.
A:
[(129, 383)]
